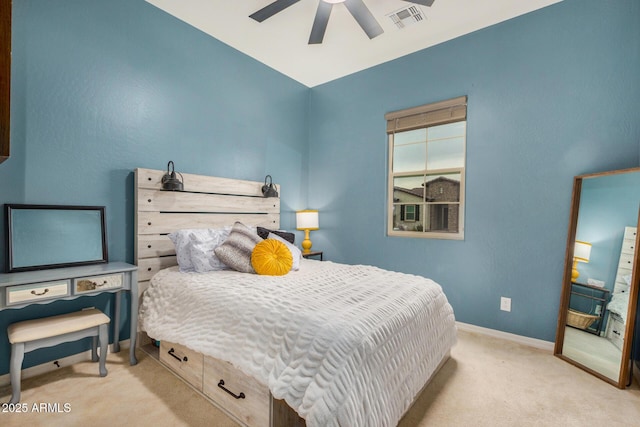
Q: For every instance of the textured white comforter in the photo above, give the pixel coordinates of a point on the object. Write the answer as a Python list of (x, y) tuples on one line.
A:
[(342, 345), (619, 304)]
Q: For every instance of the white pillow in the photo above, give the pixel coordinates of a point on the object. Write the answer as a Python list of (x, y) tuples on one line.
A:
[(180, 239), (194, 242), (295, 252), (202, 248)]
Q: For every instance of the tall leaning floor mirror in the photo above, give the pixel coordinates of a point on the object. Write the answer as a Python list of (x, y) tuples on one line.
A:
[(600, 284)]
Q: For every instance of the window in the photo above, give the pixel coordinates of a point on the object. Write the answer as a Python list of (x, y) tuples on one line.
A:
[(408, 213), (427, 156)]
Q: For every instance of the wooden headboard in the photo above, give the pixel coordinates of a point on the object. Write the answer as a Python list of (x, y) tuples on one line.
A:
[(206, 202)]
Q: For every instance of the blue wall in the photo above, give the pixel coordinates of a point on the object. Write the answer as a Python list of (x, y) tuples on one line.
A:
[(552, 94), (100, 88)]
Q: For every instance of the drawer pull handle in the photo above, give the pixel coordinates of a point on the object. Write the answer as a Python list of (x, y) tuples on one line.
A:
[(42, 293), (100, 284), (172, 354), (237, 396)]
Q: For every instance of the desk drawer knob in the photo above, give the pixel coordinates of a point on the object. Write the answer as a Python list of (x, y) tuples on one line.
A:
[(42, 293)]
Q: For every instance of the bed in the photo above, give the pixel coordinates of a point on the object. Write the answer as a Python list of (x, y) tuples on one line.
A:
[(328, 344)]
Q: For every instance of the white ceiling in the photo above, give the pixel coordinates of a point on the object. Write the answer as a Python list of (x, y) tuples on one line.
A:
[(281, 41)]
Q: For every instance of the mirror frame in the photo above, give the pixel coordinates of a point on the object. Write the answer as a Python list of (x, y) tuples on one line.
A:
[(21, 239), (5, 78), (625, 363)]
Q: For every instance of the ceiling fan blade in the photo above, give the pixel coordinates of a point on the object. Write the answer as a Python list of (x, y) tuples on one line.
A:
[(271, 9), (422, 2), (320, 22), (364, 17)]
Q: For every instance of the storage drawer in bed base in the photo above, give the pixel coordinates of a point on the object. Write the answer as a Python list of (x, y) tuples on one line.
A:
[(186, 363), (241, 397)]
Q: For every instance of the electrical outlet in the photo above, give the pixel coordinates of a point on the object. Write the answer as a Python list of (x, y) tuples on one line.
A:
[(505, 304)]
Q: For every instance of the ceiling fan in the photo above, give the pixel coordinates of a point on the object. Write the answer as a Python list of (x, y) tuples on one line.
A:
[(357, 8)]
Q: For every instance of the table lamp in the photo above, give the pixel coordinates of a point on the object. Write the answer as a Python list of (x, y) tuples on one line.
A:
[(581, 253), (307, 220)]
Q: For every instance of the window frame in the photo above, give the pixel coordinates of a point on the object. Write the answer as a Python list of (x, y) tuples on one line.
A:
[(425, 116), (404, 214)]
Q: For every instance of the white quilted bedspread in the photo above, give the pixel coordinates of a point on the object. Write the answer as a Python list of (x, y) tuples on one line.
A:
[(342, 345)]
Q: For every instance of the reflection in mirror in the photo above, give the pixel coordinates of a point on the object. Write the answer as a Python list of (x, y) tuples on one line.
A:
[(597, 310)]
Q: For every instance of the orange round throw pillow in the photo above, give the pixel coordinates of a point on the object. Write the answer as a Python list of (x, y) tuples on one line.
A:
[(272, 258)]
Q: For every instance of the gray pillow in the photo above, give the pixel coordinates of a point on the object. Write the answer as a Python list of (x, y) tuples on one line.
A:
[(235, 252), (264, 233)]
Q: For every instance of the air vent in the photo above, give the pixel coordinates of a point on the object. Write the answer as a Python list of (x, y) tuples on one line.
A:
[(407, 16)]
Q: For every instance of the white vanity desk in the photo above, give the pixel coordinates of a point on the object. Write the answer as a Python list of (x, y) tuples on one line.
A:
[(18, 290)]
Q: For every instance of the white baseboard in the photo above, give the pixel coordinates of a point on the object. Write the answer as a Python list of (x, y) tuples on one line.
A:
[(531, 342), (61, 363)]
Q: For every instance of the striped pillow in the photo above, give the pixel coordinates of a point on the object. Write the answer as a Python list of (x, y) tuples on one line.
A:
[(235, 252)]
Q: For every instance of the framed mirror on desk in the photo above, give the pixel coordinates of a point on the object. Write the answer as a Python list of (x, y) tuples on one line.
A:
[(59, 252), (599, 295)]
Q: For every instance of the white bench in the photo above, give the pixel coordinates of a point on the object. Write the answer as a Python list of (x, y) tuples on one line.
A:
[(30, 335)]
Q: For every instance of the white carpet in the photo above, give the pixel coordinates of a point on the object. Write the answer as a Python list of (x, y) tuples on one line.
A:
[(487, 382)]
